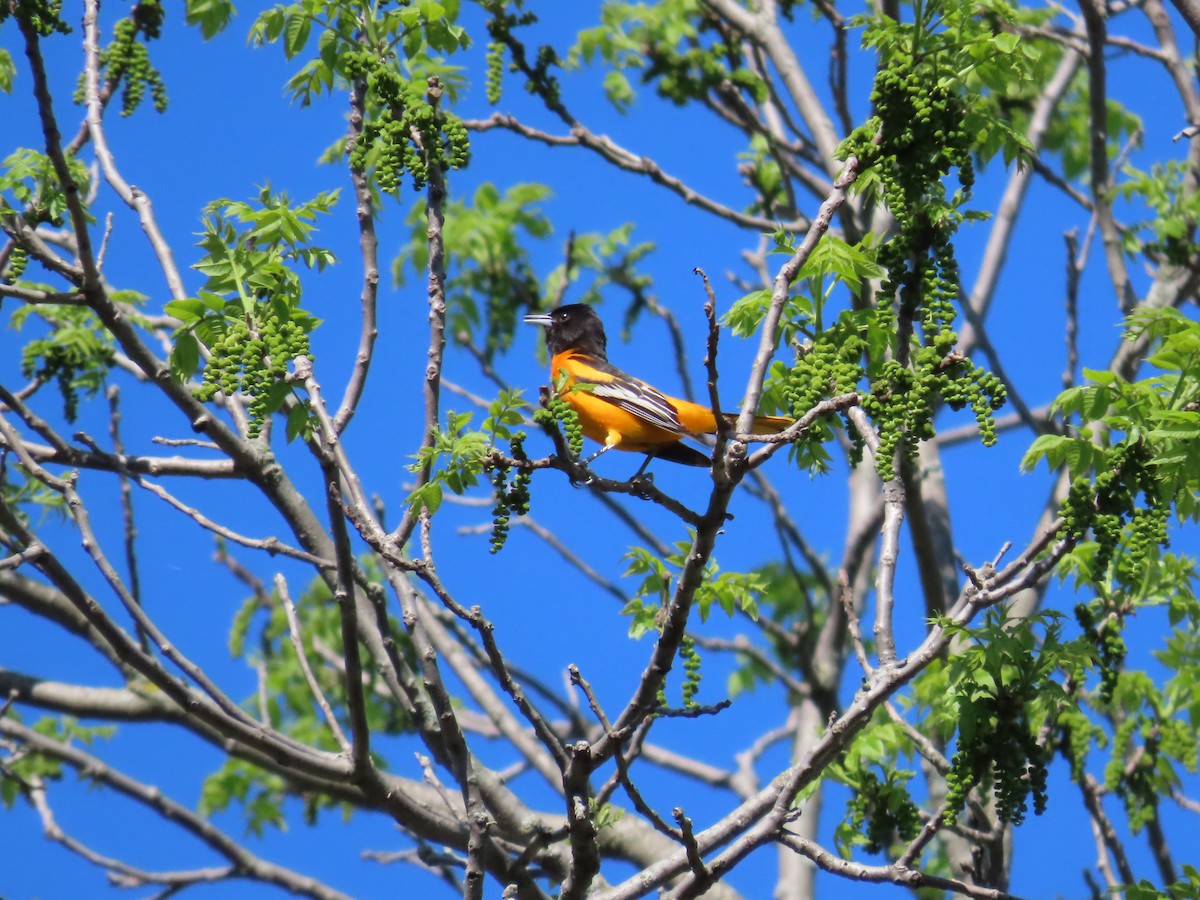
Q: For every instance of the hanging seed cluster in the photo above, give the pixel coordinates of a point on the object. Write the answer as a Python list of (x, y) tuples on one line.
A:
[(1109, 508), (691, 671), (501, 26), (557, 410), (74, 356), (405, 132), (495, 72), (1136, 773), (18, 261), (829, 366), (883, 812), (512, 497), (43, 16), (1001, 744), (252, 356), (1077, 736), (127, 61), (1108, 647), (917, 137)]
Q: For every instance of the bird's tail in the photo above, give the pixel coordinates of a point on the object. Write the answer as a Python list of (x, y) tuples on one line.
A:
[(763, 424)]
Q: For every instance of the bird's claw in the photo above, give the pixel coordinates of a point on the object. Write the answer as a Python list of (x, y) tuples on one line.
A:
[(642, 483)]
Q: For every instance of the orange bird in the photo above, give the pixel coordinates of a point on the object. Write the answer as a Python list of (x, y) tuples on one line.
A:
[(620, 411)]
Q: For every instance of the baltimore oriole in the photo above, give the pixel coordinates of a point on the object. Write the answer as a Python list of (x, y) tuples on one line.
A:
[(616, 409)]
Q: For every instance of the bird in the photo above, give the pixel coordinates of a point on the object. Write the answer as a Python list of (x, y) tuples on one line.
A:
[(615, 409)]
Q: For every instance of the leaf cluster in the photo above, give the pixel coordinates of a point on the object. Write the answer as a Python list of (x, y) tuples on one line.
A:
[(729, 591), (1068, 134), (393, 54), (880, 812), (29, 188), (1168, 235), (834, 355), (249, 315), (261, 635), (417, 31), (926, 125), (1004, 684), (21, 769), (76, 352), (683, 51), (457, 457), (490, 276), (1161, 412), (1133, 452)]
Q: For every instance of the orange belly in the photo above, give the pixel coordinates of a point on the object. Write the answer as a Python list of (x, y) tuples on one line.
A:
[(612, 426)]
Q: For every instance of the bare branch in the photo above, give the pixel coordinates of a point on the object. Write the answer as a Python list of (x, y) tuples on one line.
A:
[(894, 874), (285, 598), (133, 197), (629, 162), (243, 863), (369, 245), (1094, 16)]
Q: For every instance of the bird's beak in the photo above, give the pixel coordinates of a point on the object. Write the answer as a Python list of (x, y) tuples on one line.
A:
[(542, 319)]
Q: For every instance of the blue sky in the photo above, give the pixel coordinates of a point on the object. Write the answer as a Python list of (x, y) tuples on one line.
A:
[(229, 130)]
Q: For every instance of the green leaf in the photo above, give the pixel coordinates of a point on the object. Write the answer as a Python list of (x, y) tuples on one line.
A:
[(241, 625), (428, 497), (187, 310), (211, 15), (8, 71), (431, 10), (1044, 446), (619, 91), (299, 422), (185, 356), (1006, 41), (268, 27)]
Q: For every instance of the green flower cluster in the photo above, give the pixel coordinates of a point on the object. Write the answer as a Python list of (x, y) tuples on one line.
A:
[(405, 131), (882, 811), (127, 61), (559, 410), (495, 72), (1133, 774), (43, 16), (1108, 647), (1078, 735), (512, 498), (924, 134), (1001, 744), (252, 356), (691, 74), (917, 137), (18, 259), (75, 357), (1109, 507), (691, 671), (501, 26), (830, 365)]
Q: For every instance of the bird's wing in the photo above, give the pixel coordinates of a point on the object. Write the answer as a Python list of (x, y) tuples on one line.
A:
[(610, 384)]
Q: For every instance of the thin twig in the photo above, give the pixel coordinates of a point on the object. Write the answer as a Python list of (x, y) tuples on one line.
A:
[(314, 686), (242, 861), (1074, 271), (133, 197)]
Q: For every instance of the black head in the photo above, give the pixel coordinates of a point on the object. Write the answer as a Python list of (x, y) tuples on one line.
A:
[(574, 326)]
